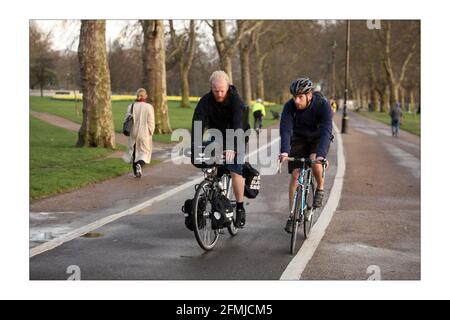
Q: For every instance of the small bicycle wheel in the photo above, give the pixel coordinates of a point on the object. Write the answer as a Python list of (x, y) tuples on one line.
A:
[(309, 214), (295, 220), (206, 236)]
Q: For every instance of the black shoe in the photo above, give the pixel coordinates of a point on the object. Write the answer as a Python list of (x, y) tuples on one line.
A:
[(318, 198), (289, 225), (138, 172), (240, 218)]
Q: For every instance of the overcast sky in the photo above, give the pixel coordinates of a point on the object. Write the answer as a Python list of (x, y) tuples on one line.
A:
[(65, 33)]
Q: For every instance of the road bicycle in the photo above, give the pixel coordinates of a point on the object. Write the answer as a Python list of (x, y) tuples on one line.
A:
[(302, 210)]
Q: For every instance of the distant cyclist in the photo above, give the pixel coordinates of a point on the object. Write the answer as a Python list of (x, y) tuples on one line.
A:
[(259, 111), (306, 132)]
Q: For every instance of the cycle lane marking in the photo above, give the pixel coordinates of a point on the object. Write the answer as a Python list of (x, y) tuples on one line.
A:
[(298, 264), (54, 243)]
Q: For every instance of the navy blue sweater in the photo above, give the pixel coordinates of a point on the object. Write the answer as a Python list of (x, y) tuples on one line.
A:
[(312, 123)]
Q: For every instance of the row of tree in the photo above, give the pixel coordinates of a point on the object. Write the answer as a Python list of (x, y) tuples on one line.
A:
[(261, 58)]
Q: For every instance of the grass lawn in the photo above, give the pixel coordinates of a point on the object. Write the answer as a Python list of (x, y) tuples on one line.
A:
[(411, 121), (57, 166), (179, 117)]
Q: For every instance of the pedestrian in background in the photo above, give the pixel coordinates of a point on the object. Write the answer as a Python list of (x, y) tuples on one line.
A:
[(139, 150), (396, 119)]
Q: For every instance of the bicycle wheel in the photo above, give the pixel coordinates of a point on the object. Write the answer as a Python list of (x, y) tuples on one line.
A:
[(296, 219), (309, 214), (206, 237)]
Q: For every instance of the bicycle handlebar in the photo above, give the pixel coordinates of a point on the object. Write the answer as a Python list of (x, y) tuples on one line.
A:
[(309, 161), (323, 162)]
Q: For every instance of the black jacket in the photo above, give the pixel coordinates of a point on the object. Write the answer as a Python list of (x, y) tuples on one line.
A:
[(228, 114)]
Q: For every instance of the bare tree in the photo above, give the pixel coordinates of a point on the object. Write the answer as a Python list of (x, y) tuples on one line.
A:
[(97, 129), (395, 78), (42, 59), (262, 53), (226, 44), (154, 62), (125, 66), (245, 48), (184, 50)]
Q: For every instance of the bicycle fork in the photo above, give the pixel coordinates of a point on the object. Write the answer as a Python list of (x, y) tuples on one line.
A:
[(300, 185)]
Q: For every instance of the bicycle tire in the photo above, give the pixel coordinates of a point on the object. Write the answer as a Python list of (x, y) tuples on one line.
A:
[(295, 221), (204, 234), (309, 216)]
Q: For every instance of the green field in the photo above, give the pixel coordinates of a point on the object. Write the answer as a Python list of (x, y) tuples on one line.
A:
[(411, 121), (179, 117), (57, 166)]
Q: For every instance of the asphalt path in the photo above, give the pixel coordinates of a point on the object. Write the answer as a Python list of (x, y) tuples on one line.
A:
[(154, 243)]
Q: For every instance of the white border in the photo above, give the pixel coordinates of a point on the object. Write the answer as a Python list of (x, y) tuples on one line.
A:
[(14, 160)]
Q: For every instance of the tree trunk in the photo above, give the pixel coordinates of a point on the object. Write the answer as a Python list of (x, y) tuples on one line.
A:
[(246, 77), (227, 66), (260, 79), (412, 106), (374, 100), (364, 99), (245, 48), (154, 59), (260, 59), (403, 99), (374, 97), (385, 100), (393, 94), (184, 58), (358, 98), (185, 103), (97, 129)]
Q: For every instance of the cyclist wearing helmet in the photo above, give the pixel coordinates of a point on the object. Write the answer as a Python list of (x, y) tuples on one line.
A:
[(259, 111), (306, 131)]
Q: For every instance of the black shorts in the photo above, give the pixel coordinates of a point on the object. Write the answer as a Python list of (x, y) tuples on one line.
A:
[(301, 148)]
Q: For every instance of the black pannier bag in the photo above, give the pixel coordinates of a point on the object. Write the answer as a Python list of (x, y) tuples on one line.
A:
[(222, 212), (188, 210), (252, 181)]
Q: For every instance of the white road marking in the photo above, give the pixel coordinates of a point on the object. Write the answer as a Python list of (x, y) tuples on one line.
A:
[(367, 131), (100, 223), (408, 144), (298, 264), (404, 159)]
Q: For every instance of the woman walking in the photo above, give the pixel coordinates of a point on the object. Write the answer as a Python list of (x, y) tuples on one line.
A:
[(139, 150)]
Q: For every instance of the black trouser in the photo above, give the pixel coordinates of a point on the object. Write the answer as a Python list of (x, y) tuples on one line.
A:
[(141, 162), (257, 115)]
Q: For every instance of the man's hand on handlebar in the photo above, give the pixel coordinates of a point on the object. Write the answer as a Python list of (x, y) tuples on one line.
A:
[(283, 157), (229, 155)]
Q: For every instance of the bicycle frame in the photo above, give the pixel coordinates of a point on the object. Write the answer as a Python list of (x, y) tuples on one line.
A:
[(303, 182)]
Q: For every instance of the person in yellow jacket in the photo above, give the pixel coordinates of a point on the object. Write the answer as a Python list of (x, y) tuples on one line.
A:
[(259, 111), (333, 104)]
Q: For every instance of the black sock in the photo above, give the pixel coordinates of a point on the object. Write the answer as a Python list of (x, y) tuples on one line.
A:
[(239, 205)]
